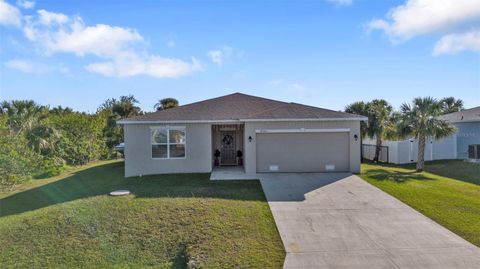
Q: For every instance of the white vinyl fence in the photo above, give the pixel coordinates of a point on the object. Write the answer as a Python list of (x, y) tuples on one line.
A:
[(406, 151)]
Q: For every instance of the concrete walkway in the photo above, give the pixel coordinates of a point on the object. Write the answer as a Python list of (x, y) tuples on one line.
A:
[(340, 221)]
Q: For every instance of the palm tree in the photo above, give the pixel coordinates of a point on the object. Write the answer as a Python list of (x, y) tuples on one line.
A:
[(126, 107), (59, 110), (450, 105), (359, 108), (114, 110), (421, 120), (23, 115), (166, 103), (380, 123), (42, 139)]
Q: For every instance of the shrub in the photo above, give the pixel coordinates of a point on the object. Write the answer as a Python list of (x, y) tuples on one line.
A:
[(17, 162)]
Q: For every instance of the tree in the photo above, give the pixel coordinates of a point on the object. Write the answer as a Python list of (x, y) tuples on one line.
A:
[(113, 110), (380, 124), (421, 120), (61, 110), (450, 105), (359, 108), (166, 103), (81, 137), (126, 107), (23, 115), (42, 139)]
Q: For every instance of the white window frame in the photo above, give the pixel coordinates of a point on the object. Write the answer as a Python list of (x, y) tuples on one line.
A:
[(168, 128)]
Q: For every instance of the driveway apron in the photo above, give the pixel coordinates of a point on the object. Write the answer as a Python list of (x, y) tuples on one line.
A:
[(340, 221)]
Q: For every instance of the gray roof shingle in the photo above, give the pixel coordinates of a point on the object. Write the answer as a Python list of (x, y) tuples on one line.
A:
[(467, 115), (238, 106)]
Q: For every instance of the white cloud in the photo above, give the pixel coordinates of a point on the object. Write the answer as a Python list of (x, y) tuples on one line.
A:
[(418, 17), (296, 87), (455, 43), (152, 65), (275, 82), (343, 3), (20, 65), (26, 4), (298, 90), (219, 56), (75, 37), (122, 51), (49, 18), (35, 68), (9, 15), (216, 56), (171, 44), (27, 67)]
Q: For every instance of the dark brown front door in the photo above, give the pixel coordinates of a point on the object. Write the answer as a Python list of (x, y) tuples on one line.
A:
[(228, 146)]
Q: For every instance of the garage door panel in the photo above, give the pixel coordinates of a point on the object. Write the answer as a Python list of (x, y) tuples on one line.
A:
[(302, 152)]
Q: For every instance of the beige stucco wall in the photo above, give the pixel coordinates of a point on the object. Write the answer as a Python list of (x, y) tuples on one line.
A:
[(250, 147), (199, 147), (138, 151)]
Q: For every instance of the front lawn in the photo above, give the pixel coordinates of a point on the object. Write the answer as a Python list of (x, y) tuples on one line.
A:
[(170, 221), (452, 203), (457, 169)]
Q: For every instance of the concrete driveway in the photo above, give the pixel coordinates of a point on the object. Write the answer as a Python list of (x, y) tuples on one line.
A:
[(341, 221)]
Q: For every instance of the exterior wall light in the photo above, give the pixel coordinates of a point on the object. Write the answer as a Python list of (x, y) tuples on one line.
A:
[(355, 137), (250, 139)]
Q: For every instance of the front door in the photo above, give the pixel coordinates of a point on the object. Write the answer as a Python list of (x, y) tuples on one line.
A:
[(228, 147)]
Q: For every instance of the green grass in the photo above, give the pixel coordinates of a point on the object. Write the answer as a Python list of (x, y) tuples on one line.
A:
[(452, 203), (457, 169), (69, 221)]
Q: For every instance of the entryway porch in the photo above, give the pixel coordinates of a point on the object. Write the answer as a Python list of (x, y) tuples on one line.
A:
[(227, 145), (231, 173)]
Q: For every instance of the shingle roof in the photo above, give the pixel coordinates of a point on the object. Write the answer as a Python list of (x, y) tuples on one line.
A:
[(240, 106), (467, 115)]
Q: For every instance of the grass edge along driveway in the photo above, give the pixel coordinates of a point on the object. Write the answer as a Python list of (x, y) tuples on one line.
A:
[(452, 203)]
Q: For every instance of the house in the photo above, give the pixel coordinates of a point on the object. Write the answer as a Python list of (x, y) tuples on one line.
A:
[(273, 136), (467, 123)]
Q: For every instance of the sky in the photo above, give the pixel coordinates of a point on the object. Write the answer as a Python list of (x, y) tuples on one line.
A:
[(326, 53)]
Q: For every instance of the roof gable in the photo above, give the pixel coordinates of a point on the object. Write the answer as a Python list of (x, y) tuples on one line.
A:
[(238, 106), (467, 115)]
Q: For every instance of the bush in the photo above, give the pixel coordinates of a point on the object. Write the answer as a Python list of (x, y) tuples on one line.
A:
[(81, 137), (17, 162)]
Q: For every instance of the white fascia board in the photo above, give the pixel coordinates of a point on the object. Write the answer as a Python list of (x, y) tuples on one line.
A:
[(236, 121), (302, 130), (307, 119), (460, 121), (174, 121)]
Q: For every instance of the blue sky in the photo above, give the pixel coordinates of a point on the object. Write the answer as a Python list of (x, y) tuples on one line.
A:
[(321, 53)]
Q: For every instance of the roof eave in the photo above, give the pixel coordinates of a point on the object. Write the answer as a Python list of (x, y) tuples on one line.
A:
[(126, 122)]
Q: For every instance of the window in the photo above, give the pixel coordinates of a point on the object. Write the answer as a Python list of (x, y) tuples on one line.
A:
[(168, 142)]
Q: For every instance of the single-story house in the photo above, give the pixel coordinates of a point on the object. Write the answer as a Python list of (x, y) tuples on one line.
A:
[(456, 146), (272, 136), (467, 123)]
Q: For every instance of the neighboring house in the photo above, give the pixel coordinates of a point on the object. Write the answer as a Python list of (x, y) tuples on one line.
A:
[(467, 123), (273, 136), (468, 129)]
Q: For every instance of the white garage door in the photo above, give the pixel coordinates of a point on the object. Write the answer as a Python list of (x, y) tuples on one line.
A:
[(303, 152)]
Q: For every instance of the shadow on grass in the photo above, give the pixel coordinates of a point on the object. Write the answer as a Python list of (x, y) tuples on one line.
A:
[(397, 176), (102, 179), (455, 169)]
